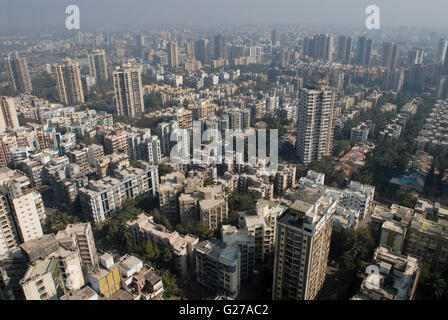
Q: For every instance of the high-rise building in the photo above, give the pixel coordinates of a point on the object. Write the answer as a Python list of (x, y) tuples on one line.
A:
[(319, 46), (302, 246), (364, 51), (274, 38), (23, 204), (139, 44), (8, 114), (415, 56), (68, 79), (98, 65), (220, 47), (202, 50), (442, 50), (389, 55), (129, 91), (172, 54), (18, 73), (344, 49), (315, 126), (80, 237)]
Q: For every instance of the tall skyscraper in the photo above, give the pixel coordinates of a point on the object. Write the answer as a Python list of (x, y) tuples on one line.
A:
[(68, 79), (389, 55), (415, 56), (98, 65), (344, 50), (274, 38), (201, 50), (315, 126), (128, 91), (364, 51), (302, 245), (18, 73), (442, 50), (139, 44), (220, 47), (172, 54), (189, 48), (8, 114)]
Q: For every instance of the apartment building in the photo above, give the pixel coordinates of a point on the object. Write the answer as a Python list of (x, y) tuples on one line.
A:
[(262, 226), (170, 188), (25, 205), (116, 142), (218, 267), (302, 247), (213, 206), (397, 278), (98, 65), (52, 270), (144, 229), (129, 91), (184, 118), (106, 278), (231, 236), (18, 73), (8, 114), (315, 126), (103, 198), (68, 80), (80, 236)]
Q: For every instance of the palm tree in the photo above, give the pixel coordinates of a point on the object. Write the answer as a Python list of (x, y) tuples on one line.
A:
[(434, 286)]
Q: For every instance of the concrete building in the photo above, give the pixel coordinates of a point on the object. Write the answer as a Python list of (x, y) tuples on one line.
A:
[(53, 270), (106, 279), (68, 79), (231, 236), (397, 278), (8, 114), (143, 229), (302, 247), (98, 65), (18, 73), (173, 61), (315, 127), (25, 205), (218, 267), (129, 91), (80, 236), (262, 226), (103, 198)]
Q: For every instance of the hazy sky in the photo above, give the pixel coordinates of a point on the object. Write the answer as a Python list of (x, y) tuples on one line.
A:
[(38, 13)]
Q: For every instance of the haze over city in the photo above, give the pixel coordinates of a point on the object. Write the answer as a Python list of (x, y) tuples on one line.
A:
[(106, 13)]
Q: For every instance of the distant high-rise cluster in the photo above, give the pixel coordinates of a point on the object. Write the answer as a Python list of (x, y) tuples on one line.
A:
[(364, 51)]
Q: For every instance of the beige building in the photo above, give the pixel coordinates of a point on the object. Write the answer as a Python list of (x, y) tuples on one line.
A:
[(213, 206), (397, 277), (144, 229), (18, 73), (261, 225), (8, 114), (302, 246), (68, 79), (53, 270), (80, 236)]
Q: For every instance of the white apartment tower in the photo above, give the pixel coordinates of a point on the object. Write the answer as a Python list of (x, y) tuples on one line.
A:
[(315, 127)]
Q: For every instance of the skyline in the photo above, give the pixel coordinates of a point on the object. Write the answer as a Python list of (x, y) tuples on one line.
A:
[(102, 13)]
